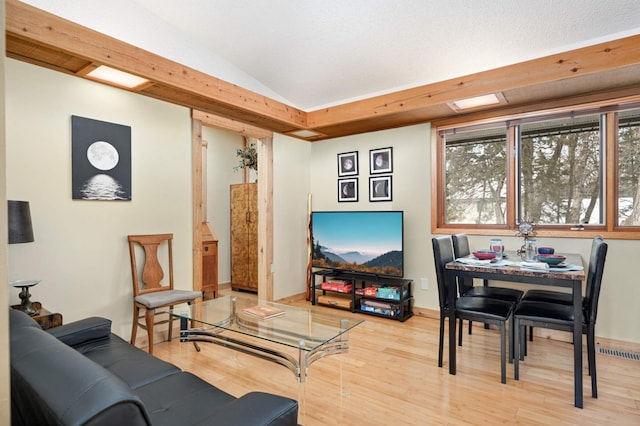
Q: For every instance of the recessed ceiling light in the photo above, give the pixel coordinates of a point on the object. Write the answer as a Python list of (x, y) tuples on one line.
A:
[(114, 76), (305, 134), (477, 101)]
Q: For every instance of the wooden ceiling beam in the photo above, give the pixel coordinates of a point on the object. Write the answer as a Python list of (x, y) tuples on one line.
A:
[(567, 65), (224, 123), (43, 39), (41, 28)]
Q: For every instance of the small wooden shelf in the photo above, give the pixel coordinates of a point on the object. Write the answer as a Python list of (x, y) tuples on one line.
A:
[(364, 295), (45, 318)]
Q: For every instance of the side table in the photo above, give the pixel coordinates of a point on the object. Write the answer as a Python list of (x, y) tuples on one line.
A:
[(45, 318)]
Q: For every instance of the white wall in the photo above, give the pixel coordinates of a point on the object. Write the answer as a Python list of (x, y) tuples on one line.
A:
[(80, 251), (5, 403), (221, 159), (291, 182)]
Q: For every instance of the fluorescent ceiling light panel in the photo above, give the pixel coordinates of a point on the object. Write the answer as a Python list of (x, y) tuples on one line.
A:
[(305, 133), (120, 78), (477, 101)]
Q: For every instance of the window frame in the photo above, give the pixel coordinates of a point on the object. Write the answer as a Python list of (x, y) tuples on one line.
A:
[(609, 174)]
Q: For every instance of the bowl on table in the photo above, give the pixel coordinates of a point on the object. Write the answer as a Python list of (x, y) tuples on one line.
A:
[(546, 250), (552, 259), (485, 254)]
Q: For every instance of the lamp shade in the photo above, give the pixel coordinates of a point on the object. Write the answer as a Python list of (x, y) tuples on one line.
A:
[(20, 230)]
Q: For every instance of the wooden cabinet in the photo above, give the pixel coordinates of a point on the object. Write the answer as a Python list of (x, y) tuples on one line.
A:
[(210, 267), (244, 237)]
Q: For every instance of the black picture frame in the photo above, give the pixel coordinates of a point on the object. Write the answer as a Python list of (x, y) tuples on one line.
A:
[(348, 190), (348, 163), (381, 160), (380, 188)]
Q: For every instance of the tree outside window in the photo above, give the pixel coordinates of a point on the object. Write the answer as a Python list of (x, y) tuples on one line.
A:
[(629, 168), (560, 171), (475, 170)]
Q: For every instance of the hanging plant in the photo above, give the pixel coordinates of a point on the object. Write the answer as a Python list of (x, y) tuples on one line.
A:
[(248, 158)]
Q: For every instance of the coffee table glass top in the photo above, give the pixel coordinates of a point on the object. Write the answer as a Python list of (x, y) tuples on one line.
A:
[(301, 328)]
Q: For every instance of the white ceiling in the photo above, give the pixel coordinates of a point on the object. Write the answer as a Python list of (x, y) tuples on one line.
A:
[(316, 53)]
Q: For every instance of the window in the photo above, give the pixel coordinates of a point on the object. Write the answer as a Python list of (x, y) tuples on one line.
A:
[(550, 169), (560, 171), (475, 170), (629, 168)]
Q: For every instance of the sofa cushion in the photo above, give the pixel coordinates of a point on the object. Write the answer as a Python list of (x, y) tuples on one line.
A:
[(170, 401), (256, 409), (133, 365)]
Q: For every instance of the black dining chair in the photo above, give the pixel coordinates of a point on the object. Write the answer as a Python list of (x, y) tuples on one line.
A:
[(552, 296), (466, 286), (560, 317), (482, 309)]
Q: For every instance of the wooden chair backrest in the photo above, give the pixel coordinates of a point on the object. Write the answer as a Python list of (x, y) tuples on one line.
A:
[(152, 272)]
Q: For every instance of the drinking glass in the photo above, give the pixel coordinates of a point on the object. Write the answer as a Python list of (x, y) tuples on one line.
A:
[(496, 245), (531, 250)]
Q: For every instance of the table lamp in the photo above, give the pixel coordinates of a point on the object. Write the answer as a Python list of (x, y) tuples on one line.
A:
[(21, 231)]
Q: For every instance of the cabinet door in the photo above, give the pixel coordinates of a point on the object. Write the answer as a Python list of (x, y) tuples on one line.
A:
[(238, 235), (244, 237), (252, 236)]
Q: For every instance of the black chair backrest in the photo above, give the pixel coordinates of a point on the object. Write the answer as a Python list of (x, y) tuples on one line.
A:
[(594, 278), (461, 249), (596, 241), (442, 254)]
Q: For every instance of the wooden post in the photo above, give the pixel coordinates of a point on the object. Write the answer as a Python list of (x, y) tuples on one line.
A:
[(265, 218), (198, 201)]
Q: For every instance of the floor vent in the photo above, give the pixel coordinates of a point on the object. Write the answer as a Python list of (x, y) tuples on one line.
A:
[(620, 354)]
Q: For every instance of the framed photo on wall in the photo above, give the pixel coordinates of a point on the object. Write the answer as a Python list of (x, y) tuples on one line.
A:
[(348, 164), (380, 188), (381, 160), (347, 190)]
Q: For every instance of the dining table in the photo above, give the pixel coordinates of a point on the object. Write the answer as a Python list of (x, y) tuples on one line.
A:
[(513, 269)]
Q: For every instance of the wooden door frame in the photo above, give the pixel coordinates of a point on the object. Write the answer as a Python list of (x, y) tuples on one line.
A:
[(265, 195)]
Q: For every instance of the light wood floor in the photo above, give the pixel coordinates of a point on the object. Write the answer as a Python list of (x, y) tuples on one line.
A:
[(391, 376)]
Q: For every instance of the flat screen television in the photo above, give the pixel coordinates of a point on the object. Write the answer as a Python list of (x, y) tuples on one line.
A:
[(370, 242)]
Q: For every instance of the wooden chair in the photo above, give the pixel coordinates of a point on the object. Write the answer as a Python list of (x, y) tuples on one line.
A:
[(149, 291)]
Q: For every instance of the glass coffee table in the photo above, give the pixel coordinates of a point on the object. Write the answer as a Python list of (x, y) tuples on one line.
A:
[(313, 334)]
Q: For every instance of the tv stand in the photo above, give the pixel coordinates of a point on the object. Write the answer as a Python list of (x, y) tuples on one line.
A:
[(369, 293)]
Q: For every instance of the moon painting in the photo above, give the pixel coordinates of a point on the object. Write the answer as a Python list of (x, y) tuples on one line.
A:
[(101, 160)]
